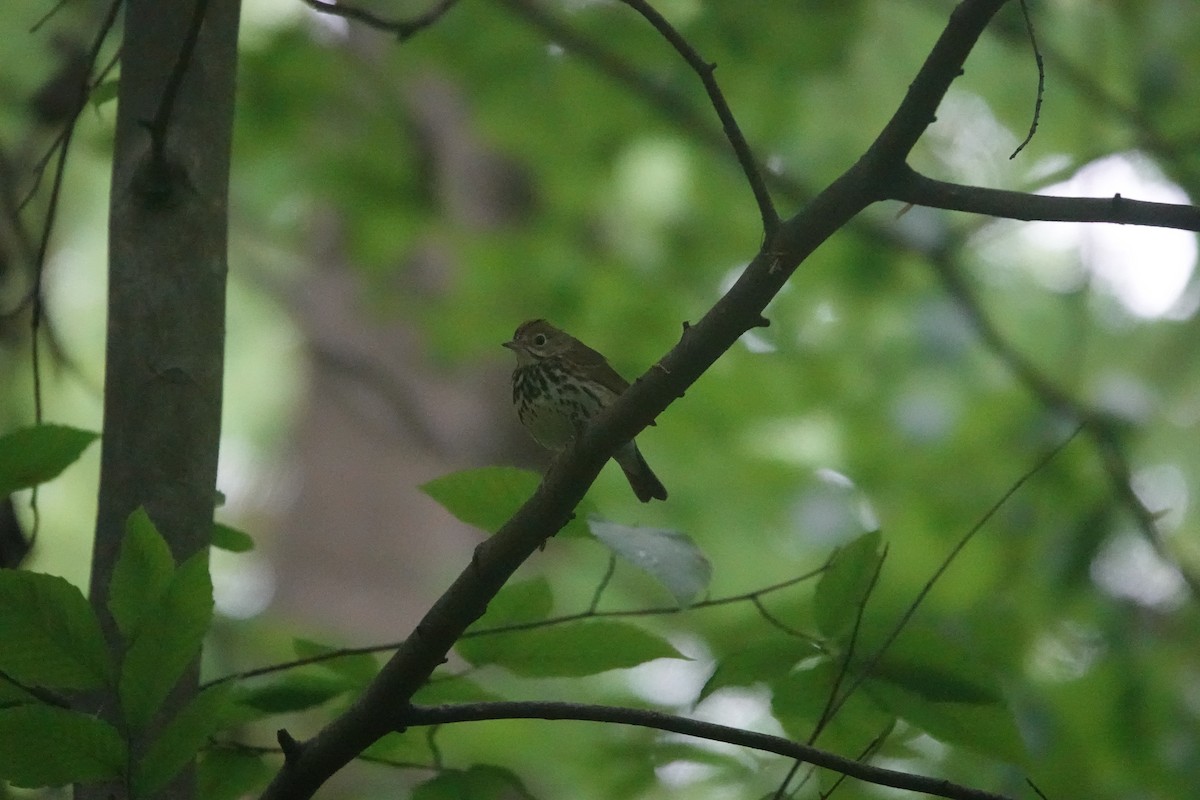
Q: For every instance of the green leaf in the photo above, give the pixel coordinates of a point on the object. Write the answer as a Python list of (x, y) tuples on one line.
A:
[(988, 728), (940, 677), (11, 695), (800, 700), (167, 641), (942, 686), (670, 557), (930, 664), (47, 746), (488, 496), (358, 669), (843, 587), (296, 691), (231, 774), (582, 648), (34, 455), (759, 662), (730, 762), (141, 576), (409, 747), (182, 739), (480, 782), (228, 538), (517, 603), (49, 635), (454, 689), (103, 93)]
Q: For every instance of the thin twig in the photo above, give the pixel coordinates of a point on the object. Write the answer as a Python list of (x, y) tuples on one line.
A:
[(609, 570), (522, 626), (1083, 78), (705, 70), (43, 161), (159, 126), (902, 623), (776, 622), (867, 752), (662, 97), (1116, 466), (49, 15), (435, 752), (1099, 429), (751, 597), (403, 28), (833, 703), (781, 790), (345, 652), (37, 307), (1041, 87), (1036, 790)]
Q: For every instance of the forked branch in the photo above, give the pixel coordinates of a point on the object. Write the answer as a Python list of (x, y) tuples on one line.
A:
[(374, 714)]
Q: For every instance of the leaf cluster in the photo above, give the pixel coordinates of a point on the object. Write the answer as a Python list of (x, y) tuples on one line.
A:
[(53, 643), (54, 652)]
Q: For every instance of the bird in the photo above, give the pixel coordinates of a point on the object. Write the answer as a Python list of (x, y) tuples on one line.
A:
[(559, 384)]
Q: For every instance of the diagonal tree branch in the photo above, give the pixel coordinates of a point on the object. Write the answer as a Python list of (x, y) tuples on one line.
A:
[(308, 764), (474, 712)]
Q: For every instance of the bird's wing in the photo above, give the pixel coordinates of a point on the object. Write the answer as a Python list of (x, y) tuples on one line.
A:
[(601, 370)]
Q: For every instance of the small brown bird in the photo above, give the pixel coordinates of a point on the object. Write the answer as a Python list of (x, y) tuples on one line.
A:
[(559, 384)]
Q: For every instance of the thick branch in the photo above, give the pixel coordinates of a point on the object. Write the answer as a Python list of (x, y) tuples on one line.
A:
[(310, 763), (474, 712), (913, 187)]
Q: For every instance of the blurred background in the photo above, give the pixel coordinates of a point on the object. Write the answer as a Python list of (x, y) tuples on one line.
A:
[(398, 208)]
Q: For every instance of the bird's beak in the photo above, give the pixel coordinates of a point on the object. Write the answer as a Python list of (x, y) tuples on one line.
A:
[(511, 345)]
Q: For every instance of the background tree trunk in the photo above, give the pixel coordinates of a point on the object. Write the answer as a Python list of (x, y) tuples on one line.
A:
[(166, 297)]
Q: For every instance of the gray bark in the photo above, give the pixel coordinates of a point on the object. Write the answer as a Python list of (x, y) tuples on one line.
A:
[(166, 301)]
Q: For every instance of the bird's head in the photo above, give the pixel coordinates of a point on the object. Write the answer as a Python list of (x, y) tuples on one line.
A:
[(538, 339)]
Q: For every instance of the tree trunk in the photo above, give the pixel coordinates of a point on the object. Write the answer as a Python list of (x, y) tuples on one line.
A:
[(166, 296)]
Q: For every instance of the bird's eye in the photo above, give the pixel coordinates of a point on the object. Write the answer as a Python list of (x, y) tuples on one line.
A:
[(539, 340)]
